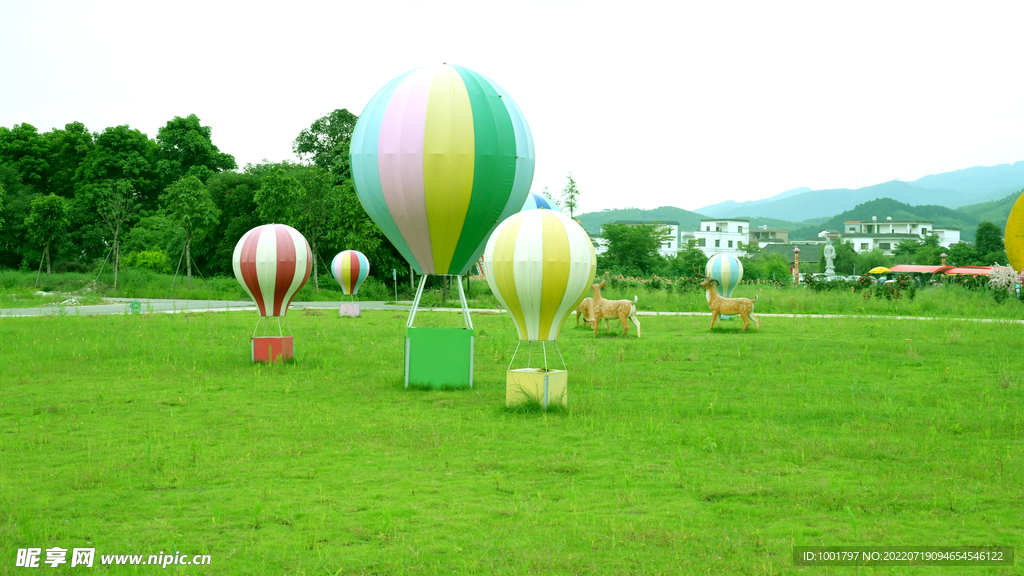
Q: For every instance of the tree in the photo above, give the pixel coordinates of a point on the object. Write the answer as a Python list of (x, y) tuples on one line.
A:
[(186, 149), (23, 148), (67, 149), (233, 194), (46, 222), (545, 193), (961, 254), (304, 198), (356, 231), (122, 153), (688, 263), (3, 196), (988, 244), (188, 203), (116, 206), (570, 196), (326, 142), (635, 246)]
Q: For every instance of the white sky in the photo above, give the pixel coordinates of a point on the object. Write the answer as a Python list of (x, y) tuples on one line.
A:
[(648, 104)]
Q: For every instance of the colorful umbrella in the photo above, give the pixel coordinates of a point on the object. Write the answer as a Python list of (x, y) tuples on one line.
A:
[(536, 201), (350, 269), (272, 262), (439, 156), (539, 264), (879, 270)]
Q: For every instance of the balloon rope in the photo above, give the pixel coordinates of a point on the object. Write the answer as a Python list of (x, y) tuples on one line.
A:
[(280, 334), (465, 306), (416, 301), (564, 367), (256, 329), (544, 347), (514, 355), (529, 359)]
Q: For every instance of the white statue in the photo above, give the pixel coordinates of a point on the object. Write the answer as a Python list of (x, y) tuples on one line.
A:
[(830, 254)]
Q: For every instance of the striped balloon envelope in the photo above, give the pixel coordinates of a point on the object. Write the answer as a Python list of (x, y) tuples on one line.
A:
[(728, 270), (439, 156), (539, 264), (1014, 235), (272, 262), (350, 269), (538, 202)]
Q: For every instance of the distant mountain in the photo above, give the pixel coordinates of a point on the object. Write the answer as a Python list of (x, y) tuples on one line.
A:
[(884, 208), (721, 209), (978, 179), (950, 189)]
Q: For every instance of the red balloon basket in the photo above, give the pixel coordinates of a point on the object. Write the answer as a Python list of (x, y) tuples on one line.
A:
[(272, 349)]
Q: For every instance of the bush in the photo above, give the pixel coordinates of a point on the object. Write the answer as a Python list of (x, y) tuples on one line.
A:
[(155, 260)]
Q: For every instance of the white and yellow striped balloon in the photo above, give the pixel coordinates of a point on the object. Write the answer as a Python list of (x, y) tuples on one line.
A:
[(539, 264)]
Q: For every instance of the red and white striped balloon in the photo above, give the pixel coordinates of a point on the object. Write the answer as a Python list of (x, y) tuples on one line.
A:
[(272, 262)]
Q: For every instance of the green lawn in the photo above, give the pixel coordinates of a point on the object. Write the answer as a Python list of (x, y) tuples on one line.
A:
[(687, 451)]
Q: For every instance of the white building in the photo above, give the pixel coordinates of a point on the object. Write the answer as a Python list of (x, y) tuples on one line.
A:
[(722, 236), (885, 235)]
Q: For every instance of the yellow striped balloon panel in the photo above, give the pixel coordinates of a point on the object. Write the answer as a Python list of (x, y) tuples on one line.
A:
[(539, 264)]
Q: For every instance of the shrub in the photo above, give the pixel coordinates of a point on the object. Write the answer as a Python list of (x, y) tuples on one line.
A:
[(155, 260)]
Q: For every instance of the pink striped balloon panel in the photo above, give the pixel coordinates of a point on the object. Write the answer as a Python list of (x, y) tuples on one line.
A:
[(272, 262)]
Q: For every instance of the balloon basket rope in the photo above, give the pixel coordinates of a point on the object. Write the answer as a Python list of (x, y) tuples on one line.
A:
[(529, 358), (280, 330)]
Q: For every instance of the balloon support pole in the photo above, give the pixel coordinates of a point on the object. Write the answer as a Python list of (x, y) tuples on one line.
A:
[(543, 386), (439, 357), (271, 349)]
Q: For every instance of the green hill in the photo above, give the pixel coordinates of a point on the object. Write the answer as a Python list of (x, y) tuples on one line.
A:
[(996, 211), (887, 207), (688, 221)]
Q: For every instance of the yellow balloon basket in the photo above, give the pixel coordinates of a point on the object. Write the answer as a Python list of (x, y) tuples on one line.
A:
[(536, 386)]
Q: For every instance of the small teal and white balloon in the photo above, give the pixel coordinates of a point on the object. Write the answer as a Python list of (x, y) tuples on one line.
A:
[(728, 270)]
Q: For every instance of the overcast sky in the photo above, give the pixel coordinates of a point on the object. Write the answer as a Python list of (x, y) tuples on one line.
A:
[(648, 104)]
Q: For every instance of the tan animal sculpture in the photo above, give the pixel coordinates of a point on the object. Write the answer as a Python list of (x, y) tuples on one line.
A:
[(719, 305), (621, 309)]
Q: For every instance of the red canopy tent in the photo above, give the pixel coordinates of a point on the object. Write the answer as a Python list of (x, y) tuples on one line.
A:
[(920, 269), (973, 270)]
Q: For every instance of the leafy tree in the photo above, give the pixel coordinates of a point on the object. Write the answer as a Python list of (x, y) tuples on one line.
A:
[(187, 202), (304, 198), (233, 193), (186, 149), (635, 247), (570, 196), (961, 254), (122, 153), (776, 267), (3, 196), (15, 245), (688, 263), (23, 148), (326, 142), (356, 231), (545, 193), (67, 149), (988, 244), (871, 259), (46, 222), (116, 206)]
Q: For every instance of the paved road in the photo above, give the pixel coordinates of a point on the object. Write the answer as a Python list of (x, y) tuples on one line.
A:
[(120, 306)]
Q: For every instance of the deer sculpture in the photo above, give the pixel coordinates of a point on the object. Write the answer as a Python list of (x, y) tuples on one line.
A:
[(621, 309), (744, 307)]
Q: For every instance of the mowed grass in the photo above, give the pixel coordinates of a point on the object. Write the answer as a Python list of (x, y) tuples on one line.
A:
[(687, 451)]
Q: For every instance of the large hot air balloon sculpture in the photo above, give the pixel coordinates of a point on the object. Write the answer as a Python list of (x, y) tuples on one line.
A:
[(350, 269), (1015, 235), (272, 262), (439, 156), (728, 270), (539, 264), (535, 201)]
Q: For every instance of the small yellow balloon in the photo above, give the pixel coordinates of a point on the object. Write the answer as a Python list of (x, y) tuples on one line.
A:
[(1015, 235)]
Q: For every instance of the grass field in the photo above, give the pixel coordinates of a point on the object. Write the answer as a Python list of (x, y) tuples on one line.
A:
[(687, 451)]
